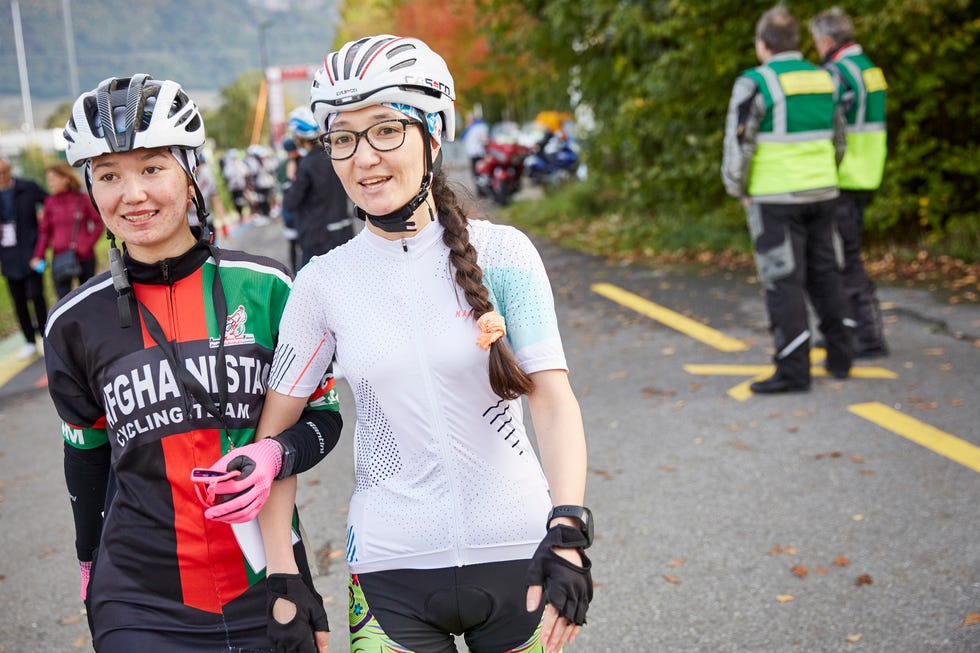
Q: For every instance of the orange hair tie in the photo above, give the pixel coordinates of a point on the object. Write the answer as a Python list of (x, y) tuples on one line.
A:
[(493, 329)]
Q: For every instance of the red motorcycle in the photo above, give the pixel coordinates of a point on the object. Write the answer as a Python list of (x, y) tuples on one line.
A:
[(498, 174)]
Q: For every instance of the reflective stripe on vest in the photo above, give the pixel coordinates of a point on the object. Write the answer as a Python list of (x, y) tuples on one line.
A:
[(867, 146), (795, 152)]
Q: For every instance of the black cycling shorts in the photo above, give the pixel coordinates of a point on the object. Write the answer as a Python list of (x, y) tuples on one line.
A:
[(422, 609)]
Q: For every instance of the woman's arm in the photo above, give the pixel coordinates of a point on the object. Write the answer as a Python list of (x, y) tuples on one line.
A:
[(561, 443), (275, 519), (560, 436)]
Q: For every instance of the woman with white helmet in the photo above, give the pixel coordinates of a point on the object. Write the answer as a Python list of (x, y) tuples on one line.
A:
[(441, 324), (157, 367)]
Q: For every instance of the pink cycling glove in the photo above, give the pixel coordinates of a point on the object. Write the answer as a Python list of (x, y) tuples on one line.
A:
[(239, 499), (85, 569)]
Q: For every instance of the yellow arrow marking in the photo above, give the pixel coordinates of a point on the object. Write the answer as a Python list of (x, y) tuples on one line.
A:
[(930, 437), (669, 318)]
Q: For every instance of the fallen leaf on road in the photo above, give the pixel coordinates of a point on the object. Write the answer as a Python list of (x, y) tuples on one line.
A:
[(857, 517), (868, 472), (313, 481), (971, 619), (695, 386), (674, 564), (841, 561), (857, 459), (863, 579), (741, 446), (667, 468), (616, 375), (672, 579), (853, 639), (81, 641), (934, 351), (784, 598), (655, 392), (74, 619), (955, 403), (793, 429), (774, 415), (799, 571), (776, 550), (820, 570), (603, 473), (799, 413)]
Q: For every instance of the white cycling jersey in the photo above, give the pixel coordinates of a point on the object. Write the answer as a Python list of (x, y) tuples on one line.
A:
[(445, 474)]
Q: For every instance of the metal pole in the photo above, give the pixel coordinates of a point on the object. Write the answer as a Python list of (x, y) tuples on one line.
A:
[(25, 85), (264, 55), (70, 46)]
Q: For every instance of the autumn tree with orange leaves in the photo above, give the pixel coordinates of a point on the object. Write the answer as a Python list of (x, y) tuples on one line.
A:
[(504, 82)]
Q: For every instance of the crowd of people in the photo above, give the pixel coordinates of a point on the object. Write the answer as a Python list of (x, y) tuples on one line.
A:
[(196, 382)]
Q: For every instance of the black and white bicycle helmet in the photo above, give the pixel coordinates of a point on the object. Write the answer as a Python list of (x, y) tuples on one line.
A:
[(384, 68), (123, 114)]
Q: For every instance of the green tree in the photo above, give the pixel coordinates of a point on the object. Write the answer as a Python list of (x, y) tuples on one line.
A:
[(230, 125), (657, 75)]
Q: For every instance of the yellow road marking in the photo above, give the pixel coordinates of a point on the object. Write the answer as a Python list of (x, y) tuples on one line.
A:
[(741, 392), (12, 368), (930, 437), (766, 370), (669, 318)]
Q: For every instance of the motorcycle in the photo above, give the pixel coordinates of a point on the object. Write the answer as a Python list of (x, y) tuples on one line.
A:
[(498, 174), (553, 163)]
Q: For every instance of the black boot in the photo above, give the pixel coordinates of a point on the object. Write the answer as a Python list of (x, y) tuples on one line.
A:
[(778, 383)]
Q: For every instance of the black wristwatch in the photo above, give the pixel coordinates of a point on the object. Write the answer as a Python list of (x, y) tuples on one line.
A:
[(581, 513)]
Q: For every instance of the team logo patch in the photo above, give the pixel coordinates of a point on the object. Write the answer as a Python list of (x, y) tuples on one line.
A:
[(235, 329)]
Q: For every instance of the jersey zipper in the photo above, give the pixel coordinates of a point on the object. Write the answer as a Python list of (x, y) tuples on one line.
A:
[(438, 413)]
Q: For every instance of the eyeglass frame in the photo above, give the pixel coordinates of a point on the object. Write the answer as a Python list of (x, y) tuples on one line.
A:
[(405, 122)]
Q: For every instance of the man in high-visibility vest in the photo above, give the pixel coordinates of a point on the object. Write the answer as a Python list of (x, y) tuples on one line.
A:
[(863, 97), (784, 136)]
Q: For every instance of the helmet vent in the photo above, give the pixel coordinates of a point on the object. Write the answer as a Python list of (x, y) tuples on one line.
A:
[(369, 55), (399, 50), (403, 64)]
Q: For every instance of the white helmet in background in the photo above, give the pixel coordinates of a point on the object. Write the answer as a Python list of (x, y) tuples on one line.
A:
[(384, 68), (126, 113), (302, 124)]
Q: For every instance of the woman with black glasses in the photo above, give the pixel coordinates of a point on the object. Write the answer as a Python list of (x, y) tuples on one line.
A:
[(441, 324)]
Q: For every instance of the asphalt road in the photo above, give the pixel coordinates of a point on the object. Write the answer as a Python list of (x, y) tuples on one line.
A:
[(725, 522)]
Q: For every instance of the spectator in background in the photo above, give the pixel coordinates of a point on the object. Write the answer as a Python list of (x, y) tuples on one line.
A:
[(784, 136), (69, 223), (19, 202), (316, 196), (863, 91), (235, 173), (285, 173), (475, 137)]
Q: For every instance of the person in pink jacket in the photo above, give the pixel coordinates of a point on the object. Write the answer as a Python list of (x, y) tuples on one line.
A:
[(69, 222)]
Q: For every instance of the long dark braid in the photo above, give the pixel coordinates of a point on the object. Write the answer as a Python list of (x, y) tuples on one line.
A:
[(507, 378)]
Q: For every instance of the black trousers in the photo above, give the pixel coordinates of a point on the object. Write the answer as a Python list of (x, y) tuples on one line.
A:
[(25, 293), (797, 256), (859, 289)]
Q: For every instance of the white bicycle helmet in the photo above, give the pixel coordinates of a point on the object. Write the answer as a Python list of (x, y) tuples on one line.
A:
[(124, 114), (384, 68), (302, 124)]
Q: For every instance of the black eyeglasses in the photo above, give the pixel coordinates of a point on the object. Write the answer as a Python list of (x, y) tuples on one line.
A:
[(384, 136)]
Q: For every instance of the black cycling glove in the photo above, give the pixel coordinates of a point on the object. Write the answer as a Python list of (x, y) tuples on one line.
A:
[(567, 586), (296, 636)]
